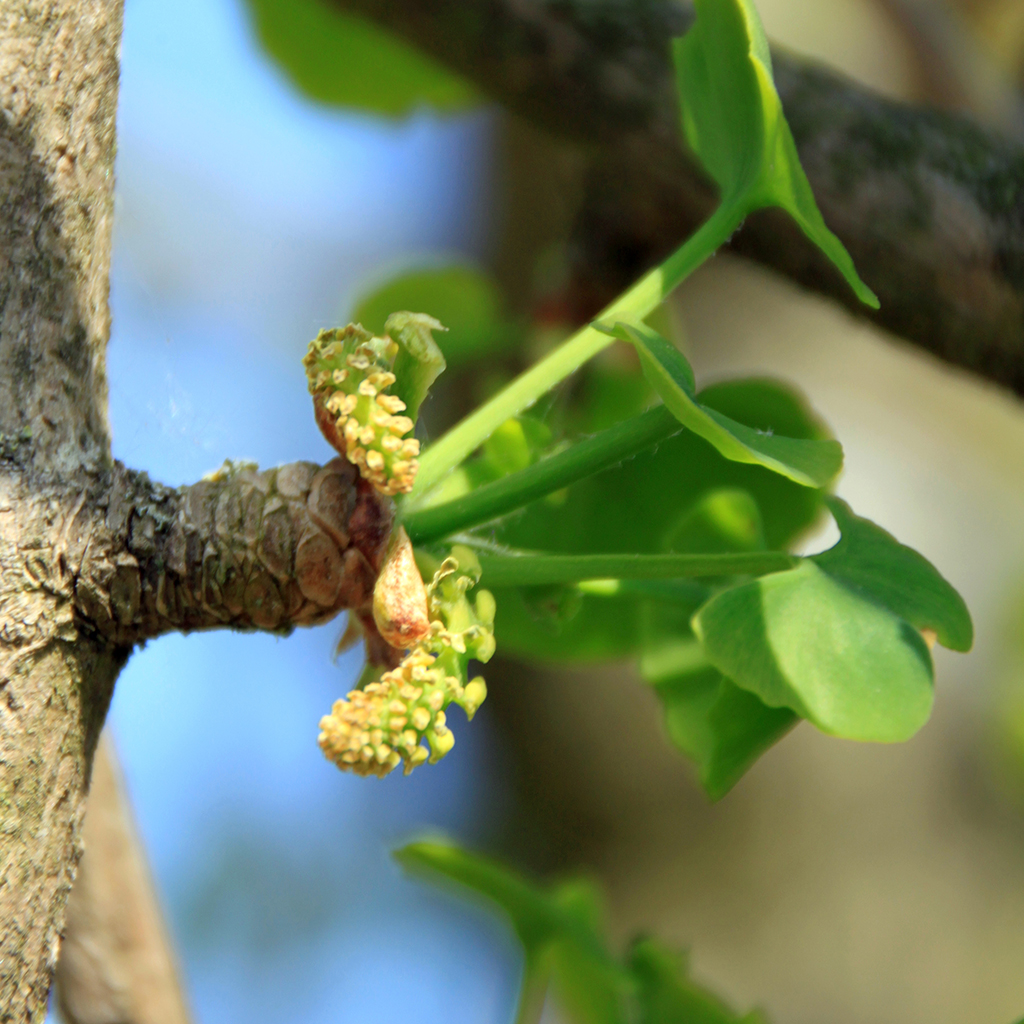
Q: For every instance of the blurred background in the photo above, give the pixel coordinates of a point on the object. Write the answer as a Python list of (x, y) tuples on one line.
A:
[(837, 882)]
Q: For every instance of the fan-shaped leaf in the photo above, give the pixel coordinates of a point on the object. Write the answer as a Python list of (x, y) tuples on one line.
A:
[(813, 463), (733, 120), (343, 59)]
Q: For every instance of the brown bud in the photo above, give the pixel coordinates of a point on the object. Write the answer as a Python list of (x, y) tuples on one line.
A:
[(400, 597)]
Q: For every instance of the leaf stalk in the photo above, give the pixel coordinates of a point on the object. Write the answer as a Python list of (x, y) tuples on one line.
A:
[(586, 457), (633, 305), (533, 569)]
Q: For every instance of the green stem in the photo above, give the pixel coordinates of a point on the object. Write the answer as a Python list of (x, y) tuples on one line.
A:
[(532, 995), (636, 303), (682, 592), (584, 458), (528, 569)]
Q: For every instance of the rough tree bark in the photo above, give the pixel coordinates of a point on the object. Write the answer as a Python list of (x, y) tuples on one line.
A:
[(93, 557), (930, 206), (58, 86)]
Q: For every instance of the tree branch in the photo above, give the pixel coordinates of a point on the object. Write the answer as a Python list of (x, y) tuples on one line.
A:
[(930, 206), (116, 963), (58, 100), (243, 549)]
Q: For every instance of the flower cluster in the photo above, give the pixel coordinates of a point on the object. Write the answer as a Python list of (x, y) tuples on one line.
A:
[(349, 373), (458, 624), (371, 731), (387, 721)]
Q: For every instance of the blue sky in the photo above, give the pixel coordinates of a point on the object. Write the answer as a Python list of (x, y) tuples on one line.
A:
[(248, 218)]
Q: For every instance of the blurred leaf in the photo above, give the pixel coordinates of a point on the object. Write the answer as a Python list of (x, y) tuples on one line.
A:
[(610, 395), (601, 629), (466, 301), (813, 463), (516, 444), (530, 912), (632, 506), (667, 996), (555, 603), (733, 121), (805, 640), (875, 563), (343, 59), (723, 520), (560, 929), (562, 932), (722, 728), (636, 505)]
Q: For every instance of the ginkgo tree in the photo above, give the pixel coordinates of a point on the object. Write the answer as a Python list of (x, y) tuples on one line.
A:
[(533, 527)]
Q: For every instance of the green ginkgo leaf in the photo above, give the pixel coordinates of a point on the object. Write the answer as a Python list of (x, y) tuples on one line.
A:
[(341, 58), (662, 485), (813, 463), (720, 727), (804, 640), (838, 639), (560, 928), (733, 120), (869, 559), (665, 994), (464, 299)]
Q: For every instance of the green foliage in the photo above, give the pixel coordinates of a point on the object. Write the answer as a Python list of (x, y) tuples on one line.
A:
[(513, 448), (733, 120), (837, 639), (559, 930), (515, 445), (831, 639), (666, 996), (802, 640), (419, 361), (531, 569), (637, 506), (466, 301), (535, 478), (872, 561), (562, 935), (342, 59), (813, 463), (720, 727), (665, 536)]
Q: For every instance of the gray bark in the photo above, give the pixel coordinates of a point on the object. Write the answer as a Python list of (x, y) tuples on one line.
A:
[(58, 91)]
